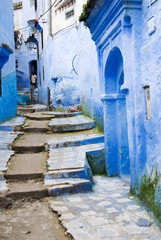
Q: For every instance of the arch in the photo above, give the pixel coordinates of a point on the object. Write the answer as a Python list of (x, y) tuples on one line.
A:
[(116, 137), (32, 67), (114, 71)]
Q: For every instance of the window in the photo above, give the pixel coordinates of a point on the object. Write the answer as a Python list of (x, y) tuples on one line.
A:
[(42, 39), (17, 5), (40, 78), (35, 4), (43, 74), (0, 82), (16, 63), (38, 51), (148, 103), (69, 14)]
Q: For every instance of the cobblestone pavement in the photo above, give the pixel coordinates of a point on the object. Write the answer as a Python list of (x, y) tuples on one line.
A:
[(106, 213)]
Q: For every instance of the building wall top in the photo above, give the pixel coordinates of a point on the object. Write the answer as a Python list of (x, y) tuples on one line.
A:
[(104, 13)]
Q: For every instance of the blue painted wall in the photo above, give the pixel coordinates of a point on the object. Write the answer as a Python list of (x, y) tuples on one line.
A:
[(24, 56), (8, 100), (71, 73), (132, 27)]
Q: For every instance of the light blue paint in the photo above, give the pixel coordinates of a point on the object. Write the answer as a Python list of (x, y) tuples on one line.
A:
[(69, 53), (115, 121), (124, 25), (24, 57), (8, 100)]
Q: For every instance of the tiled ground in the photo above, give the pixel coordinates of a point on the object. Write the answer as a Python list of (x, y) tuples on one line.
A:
[(71, 157), (7, 135), (106, 213)]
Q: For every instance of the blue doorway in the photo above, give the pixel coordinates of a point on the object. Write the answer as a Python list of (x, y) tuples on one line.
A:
[(115, 119)]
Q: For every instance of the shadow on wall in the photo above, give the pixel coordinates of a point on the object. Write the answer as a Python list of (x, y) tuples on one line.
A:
[(65, 92)]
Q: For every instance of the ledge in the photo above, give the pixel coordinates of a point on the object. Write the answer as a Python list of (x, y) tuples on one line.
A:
[(5, 52), (112, 97)]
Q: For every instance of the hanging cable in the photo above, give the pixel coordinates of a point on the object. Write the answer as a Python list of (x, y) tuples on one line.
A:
[(40, 15), (47, 10)]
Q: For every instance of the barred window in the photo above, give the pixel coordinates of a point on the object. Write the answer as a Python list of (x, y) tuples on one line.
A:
[(69, 14)]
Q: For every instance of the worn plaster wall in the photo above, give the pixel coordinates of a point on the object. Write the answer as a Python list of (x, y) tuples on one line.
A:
[(90, 100), (136, 33), (70, 70), (8, 100), (151, 76)]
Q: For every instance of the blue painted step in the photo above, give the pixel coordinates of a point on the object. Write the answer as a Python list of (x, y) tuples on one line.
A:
[(59, 186), (76, 140), (66, 173)]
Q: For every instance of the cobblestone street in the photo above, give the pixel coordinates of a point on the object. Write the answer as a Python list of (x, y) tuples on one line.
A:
[(109, 212)]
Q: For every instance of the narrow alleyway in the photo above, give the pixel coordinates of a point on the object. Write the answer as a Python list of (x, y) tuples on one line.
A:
[(51, 160)]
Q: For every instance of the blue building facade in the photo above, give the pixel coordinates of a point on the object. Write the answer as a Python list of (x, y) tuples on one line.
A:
[(127, 37), (8, 86), (67, 63)]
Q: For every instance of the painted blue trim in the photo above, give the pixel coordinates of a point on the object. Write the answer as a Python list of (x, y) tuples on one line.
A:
[(5, 52), (112, 97)]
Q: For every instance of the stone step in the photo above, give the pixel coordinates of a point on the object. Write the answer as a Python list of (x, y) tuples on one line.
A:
[(71, 157), (71, 124), (30, 142), (23, 176), (39, 116), (33, 126), (67, 173), (57, 187), (76, 140), (29, 189), (31, 108), (26, 166), (63, 114), (30, 149)]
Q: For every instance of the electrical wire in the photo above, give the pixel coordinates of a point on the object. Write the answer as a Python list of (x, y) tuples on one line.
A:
[(40, 15), (47, 10)]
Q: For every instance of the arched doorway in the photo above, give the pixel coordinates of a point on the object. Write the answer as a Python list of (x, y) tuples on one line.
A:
[(116, 137), (32, 67)]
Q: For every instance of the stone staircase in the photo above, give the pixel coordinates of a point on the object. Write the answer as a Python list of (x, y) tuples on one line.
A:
[(68, 167), (51, 159), (71, 124)]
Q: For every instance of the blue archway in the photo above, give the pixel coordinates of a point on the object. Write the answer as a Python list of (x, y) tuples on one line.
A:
[(116, 137)]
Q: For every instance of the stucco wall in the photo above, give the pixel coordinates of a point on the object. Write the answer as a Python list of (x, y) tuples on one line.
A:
[(8, 100), (151, 75), (70, 59), (132, 30)]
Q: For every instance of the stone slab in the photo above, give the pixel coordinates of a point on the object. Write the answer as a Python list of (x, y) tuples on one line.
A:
[(71, 124), (67, 173), (71, 186), (62, 114), (24, 164), (32, 189), (72, 157), (16, 121), (76, 140), (34, 126)]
